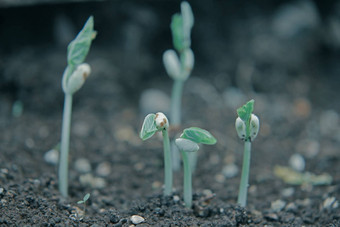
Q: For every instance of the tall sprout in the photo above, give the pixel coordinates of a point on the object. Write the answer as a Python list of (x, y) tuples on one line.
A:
[(73, 79)]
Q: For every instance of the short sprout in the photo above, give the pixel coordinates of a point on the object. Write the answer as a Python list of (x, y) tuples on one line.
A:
[(188, 143), (247, 127), (152, 124)]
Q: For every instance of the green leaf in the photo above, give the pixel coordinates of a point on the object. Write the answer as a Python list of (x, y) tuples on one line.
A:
[(86, 197), (149, 127), (80, 202), (177, 32), (198, 135), (245, 111), (78, 49)]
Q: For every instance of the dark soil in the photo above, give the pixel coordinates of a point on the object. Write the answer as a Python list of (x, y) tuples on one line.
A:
[(242, 51)]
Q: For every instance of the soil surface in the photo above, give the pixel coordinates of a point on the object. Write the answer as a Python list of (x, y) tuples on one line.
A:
[(284, 55)]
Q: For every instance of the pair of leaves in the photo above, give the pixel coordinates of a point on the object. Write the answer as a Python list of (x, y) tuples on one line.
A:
[(191, 137), (86, 197), (149, 127), (78, 49)]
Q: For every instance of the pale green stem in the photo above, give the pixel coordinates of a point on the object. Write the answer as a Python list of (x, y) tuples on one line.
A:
[(176, 99), (167, 164), (187, 181), (64, 147), (175, 117), (242, 195), (193, 160)]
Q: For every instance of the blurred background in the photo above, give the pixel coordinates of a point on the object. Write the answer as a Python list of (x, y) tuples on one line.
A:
[(254, 46)]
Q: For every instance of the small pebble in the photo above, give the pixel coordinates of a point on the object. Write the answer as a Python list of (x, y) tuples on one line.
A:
[(156, 185), (230, 170), (219, 178), (176, 198), (136, 219), (302, 107), (82, 165), (94, 182), (278, 205), (330, 202), (271, 217), (81, 129), (52, 156), (127, 134), (29, 142), (305, 202), (291, 207), (103, 169), (297, 162), (287, 192)]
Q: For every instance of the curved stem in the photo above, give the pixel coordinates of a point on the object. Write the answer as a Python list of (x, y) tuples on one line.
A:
[(167, 163), (242, 195), (187, 183), (64, 147)]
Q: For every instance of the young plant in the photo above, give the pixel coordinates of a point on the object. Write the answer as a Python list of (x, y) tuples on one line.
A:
[(179, 65), (86, 197), (247, 126), (74, 77), (179, 68), (188, 143), (152, 124)]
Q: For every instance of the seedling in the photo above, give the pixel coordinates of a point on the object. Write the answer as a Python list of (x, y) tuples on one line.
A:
[(247, 126), (188, 143), (179, 67), (74, 77), (152, 124), (86, 197)]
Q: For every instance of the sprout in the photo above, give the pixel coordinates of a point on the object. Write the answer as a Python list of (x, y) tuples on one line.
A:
[(74, 77), (247, 127), (187, 144), (86, 197), (152, 124), (179, 68)]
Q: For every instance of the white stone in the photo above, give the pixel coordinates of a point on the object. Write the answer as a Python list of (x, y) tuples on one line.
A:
[(176, 198), (230, 170), (103, 169), (82, 165), (136, 219), (52, 156), (297, 162), (278, 205), (329, 203), (287, 192)]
